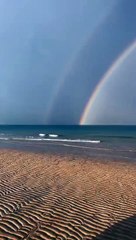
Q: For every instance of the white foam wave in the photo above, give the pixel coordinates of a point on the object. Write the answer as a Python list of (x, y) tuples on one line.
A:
[(4, 138), (52, 138), (59, 140)]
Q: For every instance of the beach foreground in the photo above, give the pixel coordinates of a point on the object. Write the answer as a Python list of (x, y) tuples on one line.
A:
[(44, 196)]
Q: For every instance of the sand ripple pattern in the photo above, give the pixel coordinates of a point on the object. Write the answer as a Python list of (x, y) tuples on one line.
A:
[(58, 197)]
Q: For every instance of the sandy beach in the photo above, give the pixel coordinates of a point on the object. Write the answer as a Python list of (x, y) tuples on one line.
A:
[(44, 196)]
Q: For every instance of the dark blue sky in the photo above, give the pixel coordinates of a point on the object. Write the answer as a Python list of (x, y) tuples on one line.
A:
[(53, 55)]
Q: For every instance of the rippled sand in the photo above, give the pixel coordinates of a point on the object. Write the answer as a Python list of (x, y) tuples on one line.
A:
[(59, 197)]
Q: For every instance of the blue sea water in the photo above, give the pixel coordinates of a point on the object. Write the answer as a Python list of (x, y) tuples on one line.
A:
[(116, 142)]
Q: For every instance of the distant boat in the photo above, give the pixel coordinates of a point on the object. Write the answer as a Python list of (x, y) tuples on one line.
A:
[(42, 134), (48, 135), (53, 135)]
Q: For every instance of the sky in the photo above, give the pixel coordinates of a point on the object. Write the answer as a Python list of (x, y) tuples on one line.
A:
[(54, 55)]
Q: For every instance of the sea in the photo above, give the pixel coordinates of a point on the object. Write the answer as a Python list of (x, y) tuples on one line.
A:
[(92, 141)]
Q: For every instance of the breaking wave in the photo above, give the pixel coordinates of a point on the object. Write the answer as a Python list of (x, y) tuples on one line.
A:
[(52, 139)]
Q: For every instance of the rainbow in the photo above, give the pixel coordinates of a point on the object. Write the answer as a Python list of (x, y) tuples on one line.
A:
[(122, 57), (69, 66)]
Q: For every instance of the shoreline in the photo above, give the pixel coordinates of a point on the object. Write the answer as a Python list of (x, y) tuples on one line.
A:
[(101, 152), (47, 196)]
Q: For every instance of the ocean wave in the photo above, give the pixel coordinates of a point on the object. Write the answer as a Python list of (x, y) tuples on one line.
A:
[(73, 140), (30, 138), (4, 138)]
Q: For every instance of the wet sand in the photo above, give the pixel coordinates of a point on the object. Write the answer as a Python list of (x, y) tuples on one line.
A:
[(44, 196)]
